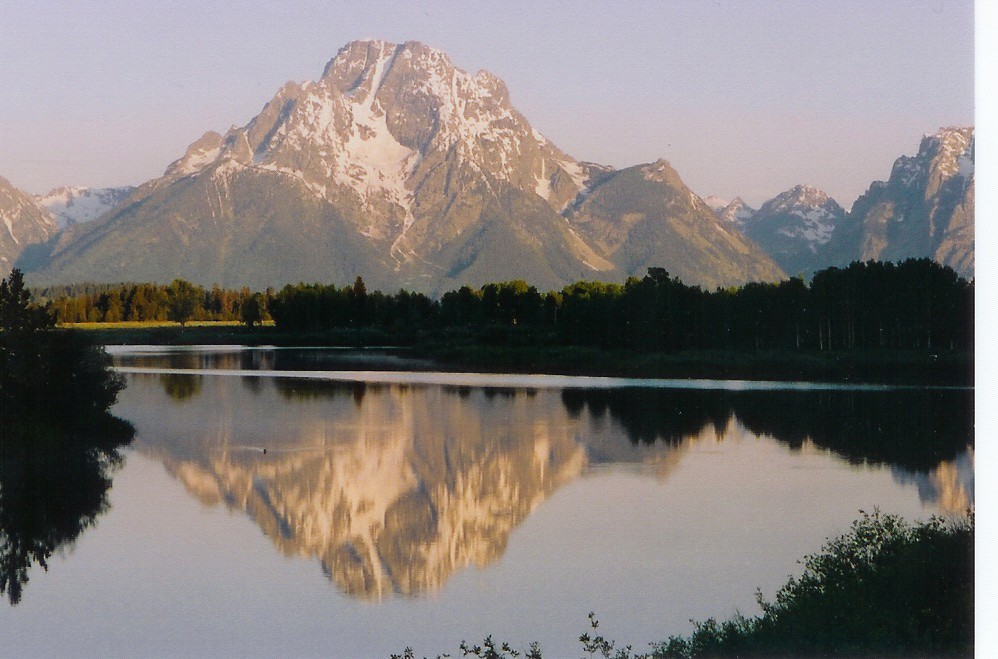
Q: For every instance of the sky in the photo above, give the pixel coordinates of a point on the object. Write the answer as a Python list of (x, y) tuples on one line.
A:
[(743, 98)]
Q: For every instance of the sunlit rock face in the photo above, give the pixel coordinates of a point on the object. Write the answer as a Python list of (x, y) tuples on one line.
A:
[(398, 166), (925, 208)]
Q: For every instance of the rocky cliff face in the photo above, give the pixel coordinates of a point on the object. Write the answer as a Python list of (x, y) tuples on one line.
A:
[(23, 222), (402, 168), (925, 208)]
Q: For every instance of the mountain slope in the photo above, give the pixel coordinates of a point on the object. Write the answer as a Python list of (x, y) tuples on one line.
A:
[(23, 222), (645, 216), (925, 208), (397, 166)]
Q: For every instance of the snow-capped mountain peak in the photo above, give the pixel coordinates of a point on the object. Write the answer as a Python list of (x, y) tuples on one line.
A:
[(377, 127), (794, 225), (715, 203), (736, 211)]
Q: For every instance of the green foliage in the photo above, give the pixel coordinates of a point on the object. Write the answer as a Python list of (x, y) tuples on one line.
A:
[(49, 374), (885, 588), (914, 305), (57, 441), (252, 310), (17, 314), (150, 302)]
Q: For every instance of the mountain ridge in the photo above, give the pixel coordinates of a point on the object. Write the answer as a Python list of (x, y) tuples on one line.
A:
[(397, 166), (427, 176)]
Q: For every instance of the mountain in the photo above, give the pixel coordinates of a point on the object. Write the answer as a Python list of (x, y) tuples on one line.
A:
[(714, 202), (72, 205), (23, 222), (794, 226), (925, 208), (402, 168), (737, 211), (644, 215)]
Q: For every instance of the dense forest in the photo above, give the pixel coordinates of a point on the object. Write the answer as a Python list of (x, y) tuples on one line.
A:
[(911, 305), (915, 304)]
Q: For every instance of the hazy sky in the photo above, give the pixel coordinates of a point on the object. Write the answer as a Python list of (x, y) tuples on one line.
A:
[(743, 98)]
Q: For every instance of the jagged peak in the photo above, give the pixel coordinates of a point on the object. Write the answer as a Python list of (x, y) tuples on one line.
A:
[(798, 199), (716, 203), (941, 155), (199, 154), (736, 211)]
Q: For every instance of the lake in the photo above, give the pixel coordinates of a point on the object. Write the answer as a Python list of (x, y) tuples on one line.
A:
[(289, 502)]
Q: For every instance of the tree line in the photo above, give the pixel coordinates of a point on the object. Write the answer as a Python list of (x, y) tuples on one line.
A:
[(179, 301), (915, 304), (48, 376)]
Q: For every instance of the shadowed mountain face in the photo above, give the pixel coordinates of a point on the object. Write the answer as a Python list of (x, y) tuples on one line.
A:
[(402, 168), (394, 488), (794, 226), (23, 222)]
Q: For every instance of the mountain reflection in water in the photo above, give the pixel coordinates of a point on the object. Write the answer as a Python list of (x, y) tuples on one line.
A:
[(394, 488)]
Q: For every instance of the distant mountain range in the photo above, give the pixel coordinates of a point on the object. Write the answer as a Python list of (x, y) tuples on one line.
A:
[(925, 209), (404, 169)]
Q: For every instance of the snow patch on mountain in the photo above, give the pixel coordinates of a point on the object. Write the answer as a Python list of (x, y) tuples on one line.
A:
[(715, 203), (543, 188), (952, 149), (736, 211), (73, 205), (9, 223), (816, 228)]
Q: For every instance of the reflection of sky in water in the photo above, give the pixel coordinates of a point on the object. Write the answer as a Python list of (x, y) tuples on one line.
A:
[(385, 366), (649, 509)]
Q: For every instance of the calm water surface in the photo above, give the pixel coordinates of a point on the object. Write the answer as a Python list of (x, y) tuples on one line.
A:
[(282, 502)]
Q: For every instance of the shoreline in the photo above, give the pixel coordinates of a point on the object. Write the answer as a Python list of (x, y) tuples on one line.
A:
[(444, 353)]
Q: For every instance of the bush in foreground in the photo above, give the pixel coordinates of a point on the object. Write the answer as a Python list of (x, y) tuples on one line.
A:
[(885, 588)]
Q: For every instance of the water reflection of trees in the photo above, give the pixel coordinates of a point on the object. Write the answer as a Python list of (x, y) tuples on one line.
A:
[(180, 386), (53, 486), (304, 390), (915, 429), (395, 487)]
